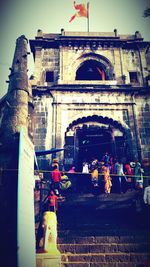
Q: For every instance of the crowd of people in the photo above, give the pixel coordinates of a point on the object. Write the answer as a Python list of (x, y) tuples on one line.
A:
[(115, 174), (107, 175)]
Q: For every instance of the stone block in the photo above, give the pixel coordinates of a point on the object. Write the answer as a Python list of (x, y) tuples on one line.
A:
[(127, 264), (67, 248), (117, 257), (84, 240), (98, 257), (129, 247), (80, 258), (106, 239), (41, 130), (47, 260), (139, 257), (76, 264), (102, 264), (102, 248)]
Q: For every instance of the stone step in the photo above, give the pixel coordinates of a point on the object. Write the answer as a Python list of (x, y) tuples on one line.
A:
[(106, 229), (69, 239), (88, 234), (99, 258), (102, 264), (104, 248)]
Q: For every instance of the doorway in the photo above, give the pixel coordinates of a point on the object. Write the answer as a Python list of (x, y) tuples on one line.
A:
[(90, 137), (93, 141)]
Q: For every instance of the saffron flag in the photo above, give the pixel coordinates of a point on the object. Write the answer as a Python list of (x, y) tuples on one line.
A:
[(82, 11)]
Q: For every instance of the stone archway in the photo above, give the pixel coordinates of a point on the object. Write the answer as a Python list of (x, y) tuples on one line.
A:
[(92, 136), (92, 70), (91, 66)]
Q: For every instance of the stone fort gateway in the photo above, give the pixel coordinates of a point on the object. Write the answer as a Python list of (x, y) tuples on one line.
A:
[(91, 95)]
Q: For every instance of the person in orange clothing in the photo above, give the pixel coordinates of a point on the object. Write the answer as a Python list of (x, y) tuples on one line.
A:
[(107, 179), (52, 201), (56, 178)]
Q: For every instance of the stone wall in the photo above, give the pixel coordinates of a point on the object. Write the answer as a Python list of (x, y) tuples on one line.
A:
[(66, 99), (43, 121), (143, 123), (53, 115), (65, 61)]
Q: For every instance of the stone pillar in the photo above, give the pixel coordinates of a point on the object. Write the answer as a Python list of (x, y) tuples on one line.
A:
[(15, 117), (38, 65), (49, 254), (16, 108)]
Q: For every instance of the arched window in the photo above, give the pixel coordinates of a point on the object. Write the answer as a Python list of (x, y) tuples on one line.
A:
[(92, 70)]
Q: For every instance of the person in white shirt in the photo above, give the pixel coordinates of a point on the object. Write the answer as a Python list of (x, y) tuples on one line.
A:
[(118, 170), (85, 167), (146, 196)]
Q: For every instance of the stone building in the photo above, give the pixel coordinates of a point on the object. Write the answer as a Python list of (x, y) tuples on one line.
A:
[(91, 95)]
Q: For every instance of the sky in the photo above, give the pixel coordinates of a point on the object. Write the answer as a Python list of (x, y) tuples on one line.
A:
[(25, 17)]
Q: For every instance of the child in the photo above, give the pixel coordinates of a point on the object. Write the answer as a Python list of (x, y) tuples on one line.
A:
[(56, 177), (52, 201)]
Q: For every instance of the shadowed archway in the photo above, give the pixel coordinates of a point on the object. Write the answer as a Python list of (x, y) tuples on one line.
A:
[(92, 136), (94, 67), (91, 70)]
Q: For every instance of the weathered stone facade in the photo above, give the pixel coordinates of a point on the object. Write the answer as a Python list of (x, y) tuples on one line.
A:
[(93, 81)]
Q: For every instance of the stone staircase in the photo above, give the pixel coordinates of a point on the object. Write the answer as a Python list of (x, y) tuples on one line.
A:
[(105, 251), (88, 237)]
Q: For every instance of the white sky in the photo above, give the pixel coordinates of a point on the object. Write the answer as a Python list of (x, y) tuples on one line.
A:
[(25, 17)]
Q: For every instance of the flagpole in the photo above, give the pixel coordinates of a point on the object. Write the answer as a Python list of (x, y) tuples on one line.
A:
[(88, 25)]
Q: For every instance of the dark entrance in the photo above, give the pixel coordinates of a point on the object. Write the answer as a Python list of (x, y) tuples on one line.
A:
[(92, 136), (93, 142), (91, 70)]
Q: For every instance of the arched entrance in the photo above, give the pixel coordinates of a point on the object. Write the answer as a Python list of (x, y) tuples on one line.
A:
[(91, 137), (91, 70), (93, 141), (91, 66)]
